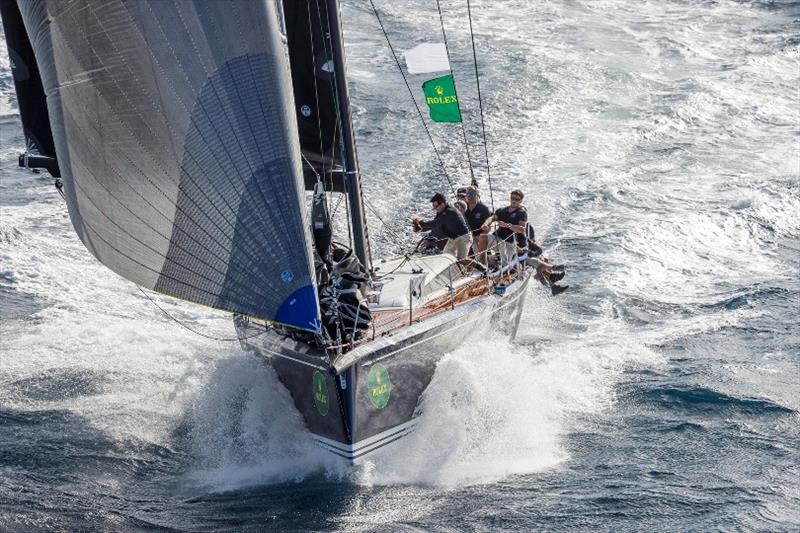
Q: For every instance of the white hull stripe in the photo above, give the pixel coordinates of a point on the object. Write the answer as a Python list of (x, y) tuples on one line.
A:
[(359, 455), (367, 445)]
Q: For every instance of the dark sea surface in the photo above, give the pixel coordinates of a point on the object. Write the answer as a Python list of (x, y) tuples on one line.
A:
[(659, 147)]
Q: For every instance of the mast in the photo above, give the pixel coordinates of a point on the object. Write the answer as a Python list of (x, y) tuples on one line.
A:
[(351, 172)]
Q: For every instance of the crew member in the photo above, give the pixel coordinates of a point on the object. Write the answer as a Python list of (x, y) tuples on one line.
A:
[(476, 215), (450, 222), (512, 235), (511, 226)]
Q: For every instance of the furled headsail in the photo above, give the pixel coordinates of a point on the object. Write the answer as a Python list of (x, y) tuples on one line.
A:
[(177, 141), (310, 54), (39, 149)]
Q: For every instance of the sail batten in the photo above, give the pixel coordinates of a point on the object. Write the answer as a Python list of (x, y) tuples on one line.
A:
[(175, 129)]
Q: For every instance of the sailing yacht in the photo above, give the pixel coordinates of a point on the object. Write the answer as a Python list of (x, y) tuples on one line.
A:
[(187, 138)]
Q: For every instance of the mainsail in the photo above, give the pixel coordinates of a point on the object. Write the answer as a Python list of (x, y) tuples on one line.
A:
[(177, 141), (308, 36)]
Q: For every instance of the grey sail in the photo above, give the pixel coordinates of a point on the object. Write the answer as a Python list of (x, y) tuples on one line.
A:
[(176, 138)]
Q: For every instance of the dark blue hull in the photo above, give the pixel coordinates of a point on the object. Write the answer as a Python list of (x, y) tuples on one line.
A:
[(367, 398)]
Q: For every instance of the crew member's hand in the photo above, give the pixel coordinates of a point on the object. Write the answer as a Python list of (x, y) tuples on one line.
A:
[(416, 223)]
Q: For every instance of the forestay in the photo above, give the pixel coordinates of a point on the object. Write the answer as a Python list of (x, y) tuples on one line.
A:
[(177, 141)]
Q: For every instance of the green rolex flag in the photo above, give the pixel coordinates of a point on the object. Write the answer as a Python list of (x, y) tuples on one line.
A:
[(440, 95)]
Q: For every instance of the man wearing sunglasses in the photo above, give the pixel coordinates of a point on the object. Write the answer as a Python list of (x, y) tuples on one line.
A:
[(512, 236), (450, 222), (511, 226)]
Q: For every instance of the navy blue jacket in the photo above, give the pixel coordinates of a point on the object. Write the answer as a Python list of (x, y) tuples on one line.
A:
[(449, 222)]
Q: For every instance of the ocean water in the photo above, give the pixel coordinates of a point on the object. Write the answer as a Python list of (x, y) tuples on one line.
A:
[(659, 147)]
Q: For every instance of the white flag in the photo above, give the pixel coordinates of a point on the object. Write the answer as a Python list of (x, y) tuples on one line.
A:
[(428, 57)]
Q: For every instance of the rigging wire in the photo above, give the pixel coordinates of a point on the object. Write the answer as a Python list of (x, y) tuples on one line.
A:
[(336, 207), (338, 125), (316, 90), (413, 99), (326, 53), (213, 338), (397, 235), (480, 103), (59, 185), (349, 223), (463, 129), (314, 170)]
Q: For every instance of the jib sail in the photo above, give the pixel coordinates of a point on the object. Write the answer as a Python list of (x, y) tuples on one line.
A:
[(176, 136)]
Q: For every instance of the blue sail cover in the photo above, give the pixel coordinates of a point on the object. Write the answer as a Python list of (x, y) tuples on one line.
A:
[(175, 132)]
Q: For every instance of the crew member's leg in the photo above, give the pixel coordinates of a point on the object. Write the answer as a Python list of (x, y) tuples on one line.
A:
[(460, 247), (451, 247), (483, 244)]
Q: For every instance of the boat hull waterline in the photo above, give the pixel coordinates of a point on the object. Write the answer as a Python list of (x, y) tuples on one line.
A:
[(369, 397)]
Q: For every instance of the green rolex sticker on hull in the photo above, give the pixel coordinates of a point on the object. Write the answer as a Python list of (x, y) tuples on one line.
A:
[(379, 386), (321, 393)]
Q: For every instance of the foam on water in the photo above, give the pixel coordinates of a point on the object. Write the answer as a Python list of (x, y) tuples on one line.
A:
[(488, 413), (658, 147), (496, 409), (243, 430), (493, 409), (96, 322)]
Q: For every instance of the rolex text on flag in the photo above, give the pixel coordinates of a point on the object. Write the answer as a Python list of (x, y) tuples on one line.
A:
[(440, 95)]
